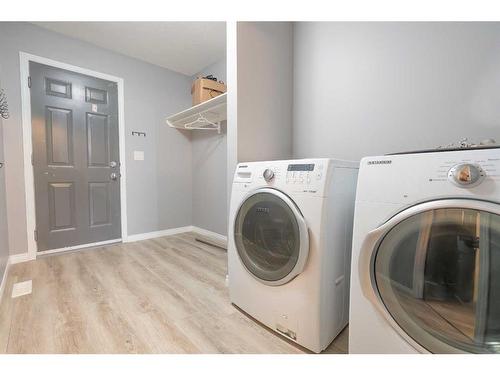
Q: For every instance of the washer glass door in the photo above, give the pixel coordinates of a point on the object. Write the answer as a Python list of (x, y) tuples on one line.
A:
[(271, 236), (438, 274)]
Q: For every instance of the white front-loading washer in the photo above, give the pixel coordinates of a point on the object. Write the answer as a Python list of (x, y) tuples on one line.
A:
[(290, 230), (425, 273)]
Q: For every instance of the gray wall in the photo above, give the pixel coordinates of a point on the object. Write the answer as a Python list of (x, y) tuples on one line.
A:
[(159, 189), (210, 169), (373, 88), (265, 91)]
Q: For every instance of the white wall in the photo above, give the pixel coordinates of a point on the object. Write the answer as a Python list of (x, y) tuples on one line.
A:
[(259, 127), (4, 243), (159, 189), (210, 169), (373, 88), (264, 90), (259, 116), (232, 103)]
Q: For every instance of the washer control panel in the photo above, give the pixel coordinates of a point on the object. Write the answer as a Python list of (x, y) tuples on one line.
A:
[(466, 175), (308, 176), (304, 173)]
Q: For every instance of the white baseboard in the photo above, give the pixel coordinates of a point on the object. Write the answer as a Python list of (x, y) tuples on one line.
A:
[(159, 233), (209, 233), (4, 280), (19, 258), (217, 238)]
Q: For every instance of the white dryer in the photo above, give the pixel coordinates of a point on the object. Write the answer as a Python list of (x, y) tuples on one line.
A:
[(290, 230), (425, 273)]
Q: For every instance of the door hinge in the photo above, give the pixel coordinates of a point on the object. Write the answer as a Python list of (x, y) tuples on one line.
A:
[(29, 81), (35, 234), (32, 159)]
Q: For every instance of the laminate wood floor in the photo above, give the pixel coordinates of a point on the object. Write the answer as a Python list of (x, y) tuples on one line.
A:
[(164, 295)]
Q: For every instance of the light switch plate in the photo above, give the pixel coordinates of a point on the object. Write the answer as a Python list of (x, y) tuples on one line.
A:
[(138, 155)]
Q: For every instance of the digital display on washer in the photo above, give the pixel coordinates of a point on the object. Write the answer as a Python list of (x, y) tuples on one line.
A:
[(300, 167)]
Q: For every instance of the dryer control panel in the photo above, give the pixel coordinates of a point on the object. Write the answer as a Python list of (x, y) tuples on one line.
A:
[(466, 175), (417, 177)]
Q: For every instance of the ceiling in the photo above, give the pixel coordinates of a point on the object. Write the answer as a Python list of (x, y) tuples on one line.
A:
[(184, 47)]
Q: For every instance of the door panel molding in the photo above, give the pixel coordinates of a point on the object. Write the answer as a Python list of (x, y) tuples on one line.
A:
[(97, 142), (100, 212), (25, 59), (61, 206), (59, 157), (58, 88)]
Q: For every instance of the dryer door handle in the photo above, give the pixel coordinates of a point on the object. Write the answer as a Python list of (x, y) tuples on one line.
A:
[(366, 263)]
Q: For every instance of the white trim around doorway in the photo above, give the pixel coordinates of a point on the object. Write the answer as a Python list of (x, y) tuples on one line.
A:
[(29, 186)]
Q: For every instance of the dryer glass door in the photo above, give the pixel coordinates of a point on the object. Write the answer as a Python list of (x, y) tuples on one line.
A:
[(437, 272), (271, 237)]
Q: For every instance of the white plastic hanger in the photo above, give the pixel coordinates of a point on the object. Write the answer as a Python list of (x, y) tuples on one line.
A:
[(203, 120)]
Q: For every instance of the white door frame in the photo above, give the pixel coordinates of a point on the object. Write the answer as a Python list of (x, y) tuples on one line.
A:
[(29, 181)]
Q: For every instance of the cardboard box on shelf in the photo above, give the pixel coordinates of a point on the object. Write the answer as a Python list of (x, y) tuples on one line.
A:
[(204, 89)]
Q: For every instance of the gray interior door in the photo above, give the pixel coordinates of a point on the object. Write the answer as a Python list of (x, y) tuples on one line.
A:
[(75, 158), (4, 246)]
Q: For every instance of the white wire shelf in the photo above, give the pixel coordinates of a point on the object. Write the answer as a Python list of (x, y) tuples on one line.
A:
[(204, 116)]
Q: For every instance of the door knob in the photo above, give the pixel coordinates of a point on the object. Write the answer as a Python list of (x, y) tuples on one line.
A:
[(114, 176), (113, 164), (1, 165)]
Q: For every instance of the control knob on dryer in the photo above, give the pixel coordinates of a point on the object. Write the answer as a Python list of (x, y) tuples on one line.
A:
[(466, 175)]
